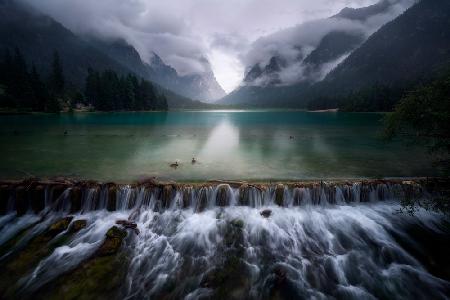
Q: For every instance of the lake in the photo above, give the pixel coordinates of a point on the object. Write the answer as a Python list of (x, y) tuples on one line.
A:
[(253, 145)]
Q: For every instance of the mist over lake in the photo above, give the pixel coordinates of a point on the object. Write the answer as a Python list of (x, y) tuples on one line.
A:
[(238, 145), (238, 150)]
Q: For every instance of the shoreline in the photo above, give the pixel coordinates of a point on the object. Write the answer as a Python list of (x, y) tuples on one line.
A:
[(214, 182)]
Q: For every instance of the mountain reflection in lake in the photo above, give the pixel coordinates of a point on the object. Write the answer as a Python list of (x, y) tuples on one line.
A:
[(227, 144)]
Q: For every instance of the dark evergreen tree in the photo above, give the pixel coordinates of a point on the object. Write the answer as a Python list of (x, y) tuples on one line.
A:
[(40, 93), (107, 91), (57, 76)]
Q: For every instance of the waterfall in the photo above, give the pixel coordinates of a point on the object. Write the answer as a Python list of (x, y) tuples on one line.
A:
[(86, 197), (339, 240)]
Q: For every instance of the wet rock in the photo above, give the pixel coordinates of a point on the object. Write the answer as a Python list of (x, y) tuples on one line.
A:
[(187, 192), (279, 195), (21, 200), (244, 194), (38, 198), (77, 225), (167, 195), (128, 225), (230, 278), (238, 223), (4, 198), (222, 195), (113, 241), (101, 276), (59, 226), (280, 285), (112, 198), (75, 199), (202, 200), (266, 213)]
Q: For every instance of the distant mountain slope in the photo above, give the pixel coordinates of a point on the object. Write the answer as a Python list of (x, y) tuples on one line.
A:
[(196, 86), (404, 50), (342, 34), (38, 36)]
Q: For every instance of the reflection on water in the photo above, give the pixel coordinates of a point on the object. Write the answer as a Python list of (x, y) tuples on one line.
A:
[(232, 145)]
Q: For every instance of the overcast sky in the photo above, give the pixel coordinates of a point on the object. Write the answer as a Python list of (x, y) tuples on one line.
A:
[(184, 31)]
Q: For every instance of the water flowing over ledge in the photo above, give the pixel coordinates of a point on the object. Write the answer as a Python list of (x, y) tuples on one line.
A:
[(36, 196), (217, 240)]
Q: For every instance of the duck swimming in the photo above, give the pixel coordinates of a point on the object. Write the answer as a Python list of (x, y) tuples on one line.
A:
[(174, 165)]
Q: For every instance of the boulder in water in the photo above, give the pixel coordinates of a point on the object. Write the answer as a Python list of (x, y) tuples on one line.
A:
[(77, 225), (113, 241), (266, 213), (128, 225), (238, 223), (58, 227)]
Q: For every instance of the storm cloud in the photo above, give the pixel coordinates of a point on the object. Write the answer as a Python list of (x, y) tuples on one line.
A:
[(227, 33), (293, 44)]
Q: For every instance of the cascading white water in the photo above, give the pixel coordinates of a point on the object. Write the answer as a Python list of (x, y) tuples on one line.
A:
[(344, 242)]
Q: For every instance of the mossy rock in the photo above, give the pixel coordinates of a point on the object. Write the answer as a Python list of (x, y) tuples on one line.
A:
[(113, 241), (25, 260), (230, 279), (238, 223), (58, 227), (97, 278), (102, 276), (77, 225)]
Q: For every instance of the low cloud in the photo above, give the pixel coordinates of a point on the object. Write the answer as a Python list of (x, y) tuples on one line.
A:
[(294, 44), (185, 32)]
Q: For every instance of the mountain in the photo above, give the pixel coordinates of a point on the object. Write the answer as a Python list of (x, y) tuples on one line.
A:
[(38, 36), (202, 86), (410, 48), (282, 81), (199, 86)]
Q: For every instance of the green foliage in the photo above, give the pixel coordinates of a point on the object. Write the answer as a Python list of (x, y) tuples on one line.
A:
[(375, 98), (423, 116), (23, 89), (107, 91), (56, 81)]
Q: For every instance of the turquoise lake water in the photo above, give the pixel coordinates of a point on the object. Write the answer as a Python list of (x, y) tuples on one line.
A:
[(254, 145)]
